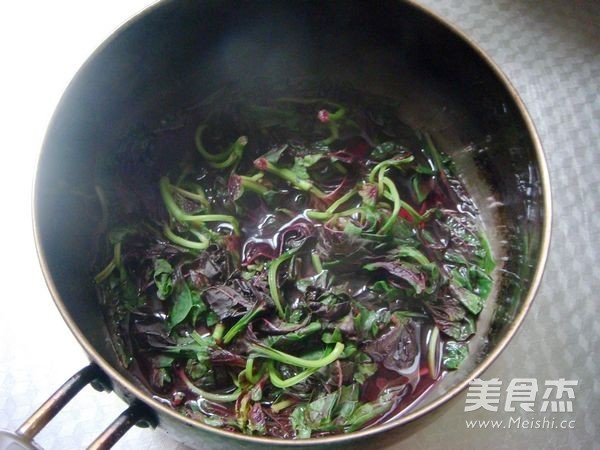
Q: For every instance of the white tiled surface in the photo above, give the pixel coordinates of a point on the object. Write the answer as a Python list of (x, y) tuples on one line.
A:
[(551, 52)]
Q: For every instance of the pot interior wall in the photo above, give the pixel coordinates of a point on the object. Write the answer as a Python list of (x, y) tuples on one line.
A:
[(179, 52)]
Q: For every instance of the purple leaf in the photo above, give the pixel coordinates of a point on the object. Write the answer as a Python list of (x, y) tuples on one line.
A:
[(403, 272), (397, 348)]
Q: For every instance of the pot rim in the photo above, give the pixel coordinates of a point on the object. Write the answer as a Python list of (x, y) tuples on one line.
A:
[(417, 413)]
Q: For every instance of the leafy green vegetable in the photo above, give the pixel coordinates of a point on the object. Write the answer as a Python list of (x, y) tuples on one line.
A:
[(369, 322), (314, 415), (162, 278), (303, 163), (471, 301), (182, 305), (332, 338), (454, 354), (386, 150), (369, 411), (365, 367), (281, 277)]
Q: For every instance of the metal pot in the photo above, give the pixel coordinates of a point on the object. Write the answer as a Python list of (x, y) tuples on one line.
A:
[(178, 49)]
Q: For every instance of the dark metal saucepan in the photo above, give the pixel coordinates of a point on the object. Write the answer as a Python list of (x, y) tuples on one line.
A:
[(177, 51)]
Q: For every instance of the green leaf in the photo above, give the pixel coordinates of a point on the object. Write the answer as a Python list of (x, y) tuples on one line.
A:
[(182, 305), (332, 338), (460, 329), (487, 259), (313, 416), (420, 187), (383, 287), (369, 411), (365, 367), (129, 295), (119, 234), (198, 368), (349, 350), (425, 170), (211, 319), (352, 230), (302, 164), (412, 253), (471, 301), (481, 280), (386, 150), (299, 422), (455, 257), (295, 316), (454, 354), (162, 377), (273, 156), (461, 277), (198, 307), (196, 348), (347, 403), (319, 411), (368, 322), (162, 278), (162, 361)]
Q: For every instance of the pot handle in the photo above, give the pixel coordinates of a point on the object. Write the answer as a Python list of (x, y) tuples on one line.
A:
[(136, 414)]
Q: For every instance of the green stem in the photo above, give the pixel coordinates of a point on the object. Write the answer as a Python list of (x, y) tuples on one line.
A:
[(218, 332), (181, 216), (169, 201), (221, 398), (105, 273), (316, 261), (279, 382), (249, 372), (267, 352), (248, 183), (413, 253), (384, 165), (318, 215), (241, 324), (418, 217), (200, 197), (281, 405), (397, 205), (289, 176), (117, 254), (221, 158), (380, 183), (273, 285), (194, 245), (334, 133), (236, 152), (324, 215), (435, 155), (203, 218), (414, 214), (343, 199), (294, 336)]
